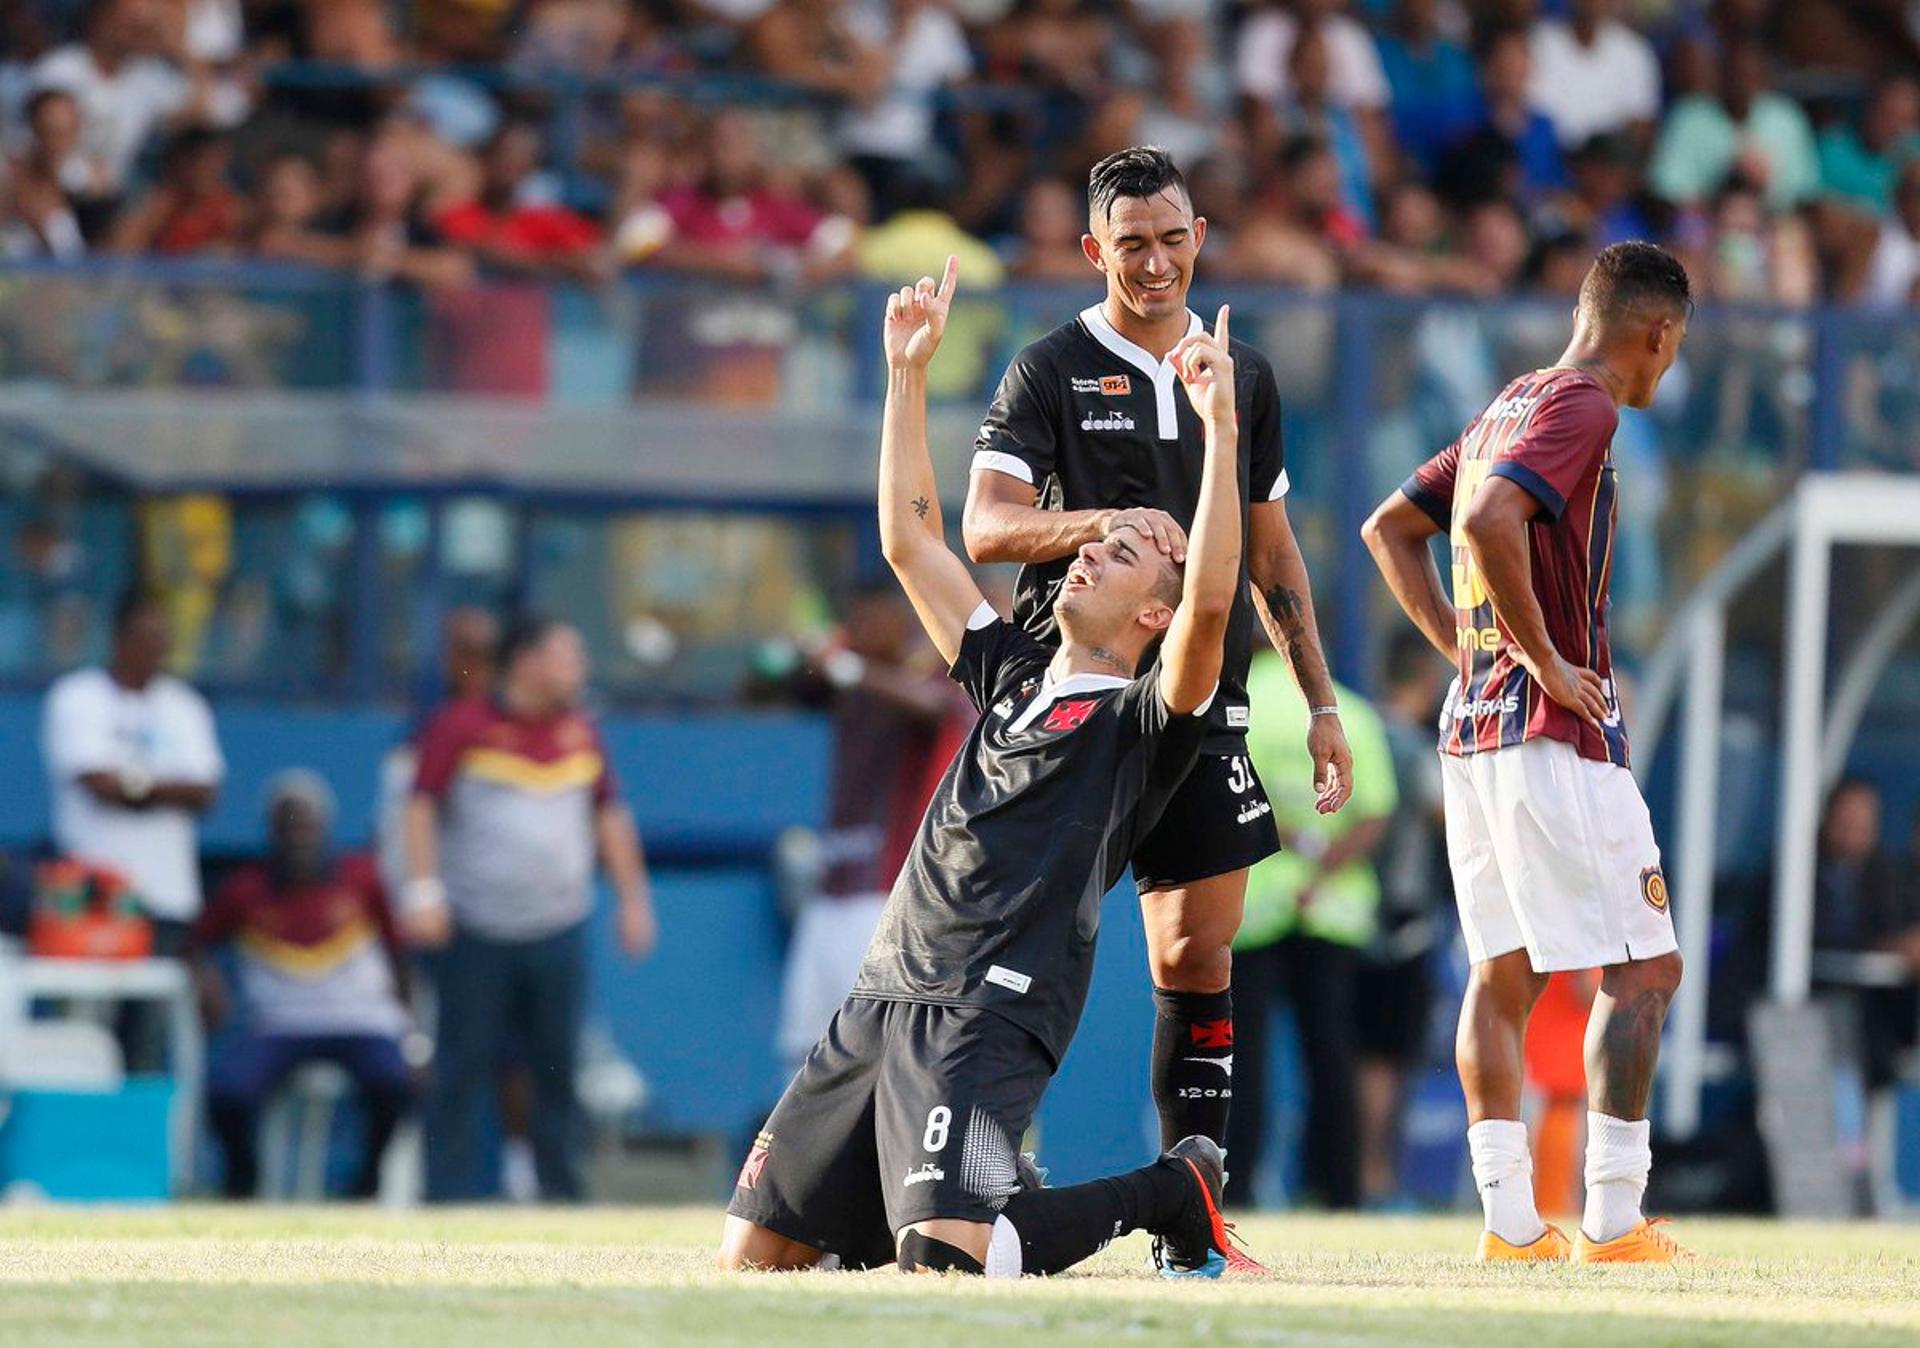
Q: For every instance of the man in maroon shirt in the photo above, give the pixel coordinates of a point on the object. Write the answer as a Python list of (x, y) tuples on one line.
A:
[(321, 979), (1554, 861)]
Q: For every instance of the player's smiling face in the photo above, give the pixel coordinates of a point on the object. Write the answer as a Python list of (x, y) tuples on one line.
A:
[(1114, 593), (1147, 246)]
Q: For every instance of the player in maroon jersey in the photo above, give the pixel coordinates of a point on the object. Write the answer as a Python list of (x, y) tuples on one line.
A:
[(1554, 860)]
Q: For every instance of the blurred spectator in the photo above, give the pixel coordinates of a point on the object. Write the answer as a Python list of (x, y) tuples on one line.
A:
[(1310, 912), (512, 801), (1309, 108), (1593, 75), (1053, 217), (812, 43), (1264, 48), (507, 232), (889, 137), (1757, 256), (1394, 985), (1605, 204), (917, 238), (321, 980), (1861, 166), (192, 210), (44, 179), (734, 221), (1435, 91), (1293, 229), (132, 758), (1509, 151), (127, 88), (1861, 906), (1893, 276), (891, 710), (381, 232), (283, 215), (1747, 130)]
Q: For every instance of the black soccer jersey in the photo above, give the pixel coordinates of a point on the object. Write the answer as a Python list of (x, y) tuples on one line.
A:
[(999, 901), (1093, 421)]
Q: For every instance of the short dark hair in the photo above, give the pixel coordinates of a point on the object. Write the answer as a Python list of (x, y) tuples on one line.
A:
[(522, 634), (1629, 276), (1138, 171)]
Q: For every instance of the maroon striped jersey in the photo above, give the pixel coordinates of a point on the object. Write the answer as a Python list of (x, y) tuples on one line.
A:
[(1551, 432)]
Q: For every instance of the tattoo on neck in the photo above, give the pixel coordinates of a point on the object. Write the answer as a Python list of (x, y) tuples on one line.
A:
[(1107, 657), (921, 505)]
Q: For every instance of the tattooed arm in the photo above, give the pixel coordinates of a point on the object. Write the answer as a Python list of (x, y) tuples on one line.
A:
[(912, 534), (1284, 601)]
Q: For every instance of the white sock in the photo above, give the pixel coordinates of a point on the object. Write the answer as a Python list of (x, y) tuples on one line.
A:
[(1503, 1172), (1004, 1259), (1619, 1155)]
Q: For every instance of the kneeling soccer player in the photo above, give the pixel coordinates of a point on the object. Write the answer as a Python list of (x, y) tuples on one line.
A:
[(898, 1139)]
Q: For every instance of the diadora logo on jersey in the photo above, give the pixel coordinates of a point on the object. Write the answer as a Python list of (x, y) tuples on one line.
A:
[(1224, 1064), (1112, 385), (928, 1172), (1112, 421), (1069, 715), (1653, 888), (1507, 408), (1253, 811)]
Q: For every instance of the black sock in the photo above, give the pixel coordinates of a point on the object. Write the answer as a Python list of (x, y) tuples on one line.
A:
[(1192, 1064), (1060, 1227)]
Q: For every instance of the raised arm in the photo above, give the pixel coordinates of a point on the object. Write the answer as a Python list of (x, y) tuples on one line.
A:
[(1190, 661), (912, 535), (1398, 534)]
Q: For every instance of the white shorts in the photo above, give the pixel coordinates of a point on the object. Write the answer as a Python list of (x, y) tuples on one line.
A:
[(829, 942), (1555, 853)]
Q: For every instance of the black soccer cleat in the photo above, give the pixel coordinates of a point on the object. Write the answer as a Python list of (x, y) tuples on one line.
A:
[(1200, 1244)]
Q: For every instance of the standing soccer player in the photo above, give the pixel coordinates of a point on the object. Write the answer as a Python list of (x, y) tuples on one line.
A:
[(1554, 861), (899, 1137), (1087, 435)]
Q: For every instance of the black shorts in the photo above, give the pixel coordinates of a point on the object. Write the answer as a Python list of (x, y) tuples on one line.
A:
[(1393, 1010), (1218, 821), (902, 1113)]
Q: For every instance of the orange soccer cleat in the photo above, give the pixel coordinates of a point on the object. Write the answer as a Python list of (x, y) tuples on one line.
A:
[(1644, 1244), (1550, 1246)]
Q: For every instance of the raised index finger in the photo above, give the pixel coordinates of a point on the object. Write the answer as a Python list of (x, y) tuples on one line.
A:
[(950, 279), (1220, 328)]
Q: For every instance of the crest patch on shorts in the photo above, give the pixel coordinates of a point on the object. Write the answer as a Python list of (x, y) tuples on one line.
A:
[(1653, 888)]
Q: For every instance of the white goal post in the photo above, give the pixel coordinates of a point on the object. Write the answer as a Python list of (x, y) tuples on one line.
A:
[(1825, 511)]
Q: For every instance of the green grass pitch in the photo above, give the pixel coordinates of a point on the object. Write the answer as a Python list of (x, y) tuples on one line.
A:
[(290, 1277)]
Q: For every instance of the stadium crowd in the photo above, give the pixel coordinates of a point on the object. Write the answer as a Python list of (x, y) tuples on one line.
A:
[(1418, 146)]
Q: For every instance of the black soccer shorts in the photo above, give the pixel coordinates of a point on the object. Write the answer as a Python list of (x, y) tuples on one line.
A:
[(1218, 821), (902, 1113)]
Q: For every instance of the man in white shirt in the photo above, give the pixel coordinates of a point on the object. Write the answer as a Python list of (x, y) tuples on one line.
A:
[(126, 88), (1265, 45), (133, 762), (1593, 75)]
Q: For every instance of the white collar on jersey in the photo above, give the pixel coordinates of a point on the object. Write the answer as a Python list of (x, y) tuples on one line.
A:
[(1052, 692), (1161, 372)]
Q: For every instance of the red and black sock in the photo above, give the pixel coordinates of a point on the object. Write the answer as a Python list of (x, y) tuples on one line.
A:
[(1192, 1064)]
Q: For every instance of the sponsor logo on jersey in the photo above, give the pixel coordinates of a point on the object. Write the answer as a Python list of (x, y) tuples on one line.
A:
[(1653, 888), (1112, 421), (1009, 978), (1502, 409), (756, 1161), (1224, 1064), (1486, 706), (1211, 1033), (1112, 385), (1069, 715), (1237, 716), (928, 1172)]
